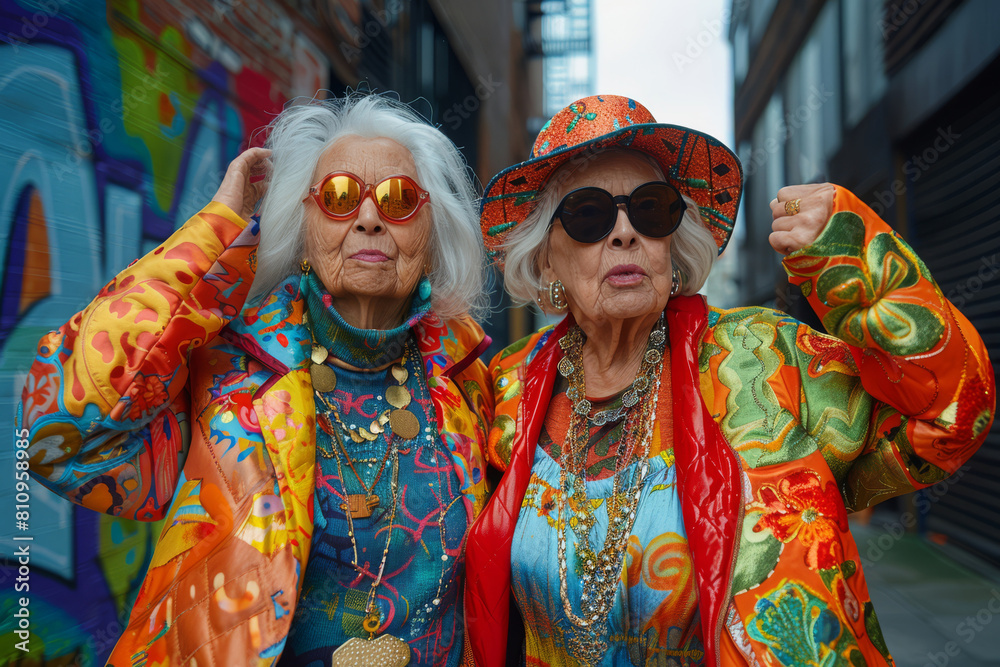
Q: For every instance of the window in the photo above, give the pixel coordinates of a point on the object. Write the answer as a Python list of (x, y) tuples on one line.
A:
[(764, 168), (741, 53), (811, 121), (863, 57)]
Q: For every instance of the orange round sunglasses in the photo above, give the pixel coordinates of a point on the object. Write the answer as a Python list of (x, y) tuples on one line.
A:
[(340, 194)]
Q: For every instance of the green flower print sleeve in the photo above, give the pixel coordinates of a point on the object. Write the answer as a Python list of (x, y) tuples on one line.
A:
[(920, 359)]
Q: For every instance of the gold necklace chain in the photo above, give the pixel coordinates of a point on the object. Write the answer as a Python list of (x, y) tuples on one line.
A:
[(400, 420), (370, 499), (356, 505), (599, 579), (442, 587), (372, 619), (385, 645), (386, 648)]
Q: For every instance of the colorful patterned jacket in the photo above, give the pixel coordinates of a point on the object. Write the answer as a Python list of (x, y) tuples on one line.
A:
[(779, 433), (161, 395)]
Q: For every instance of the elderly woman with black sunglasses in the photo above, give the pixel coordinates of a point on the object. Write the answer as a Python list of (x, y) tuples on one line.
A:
[(319, 451), (678, 478)]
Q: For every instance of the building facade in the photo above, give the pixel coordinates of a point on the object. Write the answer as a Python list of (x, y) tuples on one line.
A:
[(897, 101), (119, 120)]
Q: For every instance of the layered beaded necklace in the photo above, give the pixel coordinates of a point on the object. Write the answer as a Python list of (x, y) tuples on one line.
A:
[(599, 569)]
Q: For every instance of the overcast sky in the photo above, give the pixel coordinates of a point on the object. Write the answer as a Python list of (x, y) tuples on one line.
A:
[(672, 56)]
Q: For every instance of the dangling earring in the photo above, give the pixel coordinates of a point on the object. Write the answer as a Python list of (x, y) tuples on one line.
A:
[(557, 295), (305, 267), (675, 284)]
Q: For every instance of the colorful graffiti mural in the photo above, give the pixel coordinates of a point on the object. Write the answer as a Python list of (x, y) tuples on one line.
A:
[(118, 120)]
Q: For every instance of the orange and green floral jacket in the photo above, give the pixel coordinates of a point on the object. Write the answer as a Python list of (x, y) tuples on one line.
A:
[(162, 398), (779, 433)]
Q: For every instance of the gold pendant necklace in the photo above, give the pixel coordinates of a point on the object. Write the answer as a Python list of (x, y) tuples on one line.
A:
[(399, 418), (383, 650), (378, 650), (401, 421), (600, 569)]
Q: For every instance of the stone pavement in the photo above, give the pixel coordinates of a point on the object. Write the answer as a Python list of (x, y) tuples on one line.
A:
[(937, 605)]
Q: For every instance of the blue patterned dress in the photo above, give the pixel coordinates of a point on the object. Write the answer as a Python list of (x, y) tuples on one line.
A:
[(654, 618), (424, 563)]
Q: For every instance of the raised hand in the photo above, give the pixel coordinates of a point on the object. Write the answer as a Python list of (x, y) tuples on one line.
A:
[(244, 183)]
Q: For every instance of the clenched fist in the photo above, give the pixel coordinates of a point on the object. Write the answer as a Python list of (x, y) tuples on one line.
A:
[(794, 231)]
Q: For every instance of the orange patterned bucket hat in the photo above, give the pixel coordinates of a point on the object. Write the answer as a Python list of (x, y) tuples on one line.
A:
[(697, 164)]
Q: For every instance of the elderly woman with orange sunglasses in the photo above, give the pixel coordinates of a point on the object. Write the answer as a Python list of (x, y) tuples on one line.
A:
[(309, 412)]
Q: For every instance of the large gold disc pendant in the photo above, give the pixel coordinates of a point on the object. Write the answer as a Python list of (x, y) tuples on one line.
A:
[(323, 377), (383, 651), (404, 424)]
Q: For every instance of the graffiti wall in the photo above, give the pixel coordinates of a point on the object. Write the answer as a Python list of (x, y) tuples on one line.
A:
[(117, 121)]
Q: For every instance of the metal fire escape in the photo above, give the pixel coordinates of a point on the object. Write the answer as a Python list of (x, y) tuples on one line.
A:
[(560, 33)]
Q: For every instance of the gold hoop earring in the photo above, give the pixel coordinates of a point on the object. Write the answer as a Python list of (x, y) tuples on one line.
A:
[(675, 283), (305, 267), (557, 295)]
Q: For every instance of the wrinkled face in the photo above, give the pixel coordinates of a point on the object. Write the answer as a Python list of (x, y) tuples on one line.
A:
[(625, 274), (365, 256)]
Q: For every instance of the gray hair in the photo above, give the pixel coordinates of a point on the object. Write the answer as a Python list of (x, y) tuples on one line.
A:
[(299, 136), (693, 249)]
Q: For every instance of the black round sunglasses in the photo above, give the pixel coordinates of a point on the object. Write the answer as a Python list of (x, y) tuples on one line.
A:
[(588, 214)]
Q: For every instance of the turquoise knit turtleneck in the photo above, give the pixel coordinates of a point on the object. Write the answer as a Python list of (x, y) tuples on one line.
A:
[(363, 348)]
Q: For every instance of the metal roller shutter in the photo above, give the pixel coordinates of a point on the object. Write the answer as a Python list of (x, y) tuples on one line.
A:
[(954, 198)]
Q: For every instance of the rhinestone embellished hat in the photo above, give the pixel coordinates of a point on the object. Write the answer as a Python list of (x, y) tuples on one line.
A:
[(697, 164)]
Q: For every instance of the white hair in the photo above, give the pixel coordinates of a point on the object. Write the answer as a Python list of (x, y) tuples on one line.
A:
[(692, 250), (299, 136)]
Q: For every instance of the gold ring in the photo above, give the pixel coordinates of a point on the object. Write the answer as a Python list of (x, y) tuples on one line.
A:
[(792, 206)]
